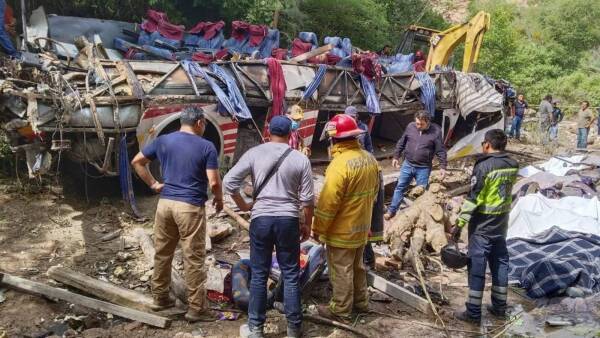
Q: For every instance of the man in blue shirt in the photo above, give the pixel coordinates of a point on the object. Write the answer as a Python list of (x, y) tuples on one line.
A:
[(518, 111), (189, 165)]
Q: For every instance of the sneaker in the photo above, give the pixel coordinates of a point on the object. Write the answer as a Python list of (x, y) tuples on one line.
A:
[(325, 311), (464, 316), (199, 316), (246, 332), (495, 312), (163, 303), (294, 332)]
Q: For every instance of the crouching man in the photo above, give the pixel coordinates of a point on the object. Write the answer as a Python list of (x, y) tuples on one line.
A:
[(486, 211)]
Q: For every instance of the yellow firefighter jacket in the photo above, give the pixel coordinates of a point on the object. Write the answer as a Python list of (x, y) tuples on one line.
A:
[(345, 206)]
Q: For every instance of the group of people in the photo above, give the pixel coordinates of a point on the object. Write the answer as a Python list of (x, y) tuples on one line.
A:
[(549, 116), (344, 217)]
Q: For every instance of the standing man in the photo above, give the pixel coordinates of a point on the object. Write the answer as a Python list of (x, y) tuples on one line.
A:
[(189, 163), (544, 115), (282, 181), (419, 143), (376, 231), (486, 212), (343, 217), (518, 111), (557, 116), (365, 138), (585, 119)]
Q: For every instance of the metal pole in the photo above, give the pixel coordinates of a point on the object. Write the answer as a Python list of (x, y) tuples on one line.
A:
[(24, 21)]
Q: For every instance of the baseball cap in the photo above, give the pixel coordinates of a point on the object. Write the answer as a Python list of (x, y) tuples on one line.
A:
[(280, 126), (351, 111)]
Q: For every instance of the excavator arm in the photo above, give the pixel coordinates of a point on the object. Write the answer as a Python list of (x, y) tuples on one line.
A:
[(442, 44)]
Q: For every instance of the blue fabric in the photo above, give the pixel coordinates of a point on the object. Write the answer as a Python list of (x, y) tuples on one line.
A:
[(427, 92), (160, 52), (553, 132), (484, 251), (270, 42), (195, 40), (365, 139), (184, 159), (309, 37), (233, 101), (407, 173), (341, 47), (314, 85), (125, 177), (283, 234), (157, 36), (371, 98), (554, 260), (399, 63), (242, 275), (582, 136), (240, 107), (235, 45), (515, 129), (5, 40), (144, 38)]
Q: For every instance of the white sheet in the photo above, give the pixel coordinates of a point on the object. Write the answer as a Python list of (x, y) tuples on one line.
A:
[(560, 167), (535, 213)]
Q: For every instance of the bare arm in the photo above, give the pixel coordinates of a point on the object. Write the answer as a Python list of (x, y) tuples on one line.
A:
[(140, 163), (214, 181)]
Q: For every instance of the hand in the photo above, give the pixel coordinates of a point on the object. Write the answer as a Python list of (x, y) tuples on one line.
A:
[(304, 232), (218, 204), (246, 206), (442, 174), (11, 28), (455, 231), (315, 237), (395, 163), (157, 187)]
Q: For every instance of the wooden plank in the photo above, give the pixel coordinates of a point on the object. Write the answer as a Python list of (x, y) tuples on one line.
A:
[(239, 219), (104, 290), (398, 292), (136, 88), (94, 304), (178, 286), (97, 123), (312, 53)]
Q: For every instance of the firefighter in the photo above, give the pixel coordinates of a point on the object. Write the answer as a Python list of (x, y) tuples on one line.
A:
[(486, 212), (343, 217)]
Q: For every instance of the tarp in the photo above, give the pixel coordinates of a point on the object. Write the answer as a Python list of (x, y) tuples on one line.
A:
[(534, 214), (560, 166), (474, 93), (471, 144), (547, 264)]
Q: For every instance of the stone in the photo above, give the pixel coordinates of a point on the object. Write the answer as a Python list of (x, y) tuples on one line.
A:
[(119, 271)]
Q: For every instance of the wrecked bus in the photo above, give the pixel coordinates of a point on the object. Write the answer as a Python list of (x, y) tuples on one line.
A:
[(75, 95)]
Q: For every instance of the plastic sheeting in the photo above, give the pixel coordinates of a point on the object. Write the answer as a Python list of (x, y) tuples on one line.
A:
[(372, 100), (399, 63), (427, 92), (534, 214), (561, 166), (474, 93), (314, 85)]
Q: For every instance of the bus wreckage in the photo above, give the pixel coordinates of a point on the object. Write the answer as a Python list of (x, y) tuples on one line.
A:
[(78, 97)]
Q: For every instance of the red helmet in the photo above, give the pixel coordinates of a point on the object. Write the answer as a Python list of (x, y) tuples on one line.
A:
[(342, 126)]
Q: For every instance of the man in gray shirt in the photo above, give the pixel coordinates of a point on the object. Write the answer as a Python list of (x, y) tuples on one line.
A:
[(545, 116), (275, 222)]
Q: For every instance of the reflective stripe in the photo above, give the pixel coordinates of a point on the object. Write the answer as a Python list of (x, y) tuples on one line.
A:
[(499, 296), (340, 243), (476, 294), (495, 210), (499, 289), (323, 214), (474, 301), (468, 207), (509, 173)]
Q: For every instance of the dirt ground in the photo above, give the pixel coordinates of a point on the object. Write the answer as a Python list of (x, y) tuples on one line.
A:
[(55, 223)]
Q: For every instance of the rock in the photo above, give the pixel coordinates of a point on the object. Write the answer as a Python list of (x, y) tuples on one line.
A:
[(146, 277), (219, 231), (119, 271), (378, 296), (416, 192), (134, 326), (124, 256), (435, 188), (95, 333)]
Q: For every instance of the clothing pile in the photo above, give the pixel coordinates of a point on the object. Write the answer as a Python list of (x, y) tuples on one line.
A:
[(549, 263)]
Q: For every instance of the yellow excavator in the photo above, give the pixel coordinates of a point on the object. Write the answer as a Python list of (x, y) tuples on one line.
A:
[(441, 44)]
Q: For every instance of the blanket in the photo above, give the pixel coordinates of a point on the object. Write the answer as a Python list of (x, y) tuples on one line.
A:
[(547, 264)]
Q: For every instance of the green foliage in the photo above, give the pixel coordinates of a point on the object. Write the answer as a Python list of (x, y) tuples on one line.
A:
[(548, 47)]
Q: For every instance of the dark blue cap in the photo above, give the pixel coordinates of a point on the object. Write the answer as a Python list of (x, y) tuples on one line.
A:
[(280, 125)]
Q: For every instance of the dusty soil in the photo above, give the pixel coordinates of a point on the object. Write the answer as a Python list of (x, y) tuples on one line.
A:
[(42, 225)]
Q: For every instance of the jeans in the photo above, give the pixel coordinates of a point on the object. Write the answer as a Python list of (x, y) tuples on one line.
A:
[(582, 135), (407, 173), (515, 129), (553, 132), (5, 40), (485, 250), (283, 233)]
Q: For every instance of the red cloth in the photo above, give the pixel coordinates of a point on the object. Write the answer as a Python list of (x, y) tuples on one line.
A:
[(202, 58), (300, 47), (277, 86), (9, 16), (294, 141), (156, 20), (221, 54), (239, 30), (208, 29), (257, 34), (419, 66), (367, 64), (327, 59), (279, 53)]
